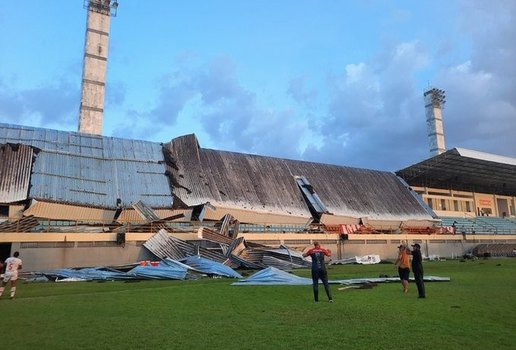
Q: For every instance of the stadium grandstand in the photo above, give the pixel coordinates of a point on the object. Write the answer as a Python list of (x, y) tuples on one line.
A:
[(472, 191), (76, 199)]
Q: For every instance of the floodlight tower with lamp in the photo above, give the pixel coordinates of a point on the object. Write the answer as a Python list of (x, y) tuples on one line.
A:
[(95, 64), (434, 103)]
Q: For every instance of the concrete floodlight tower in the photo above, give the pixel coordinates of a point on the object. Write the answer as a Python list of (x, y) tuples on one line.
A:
[(95, 64), (434, 103)]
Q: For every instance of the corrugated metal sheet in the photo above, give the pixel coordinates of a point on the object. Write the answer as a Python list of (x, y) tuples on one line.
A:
[(15, 168), (232, 180), (311, 195), (25, 224), (214, 236), (357, 193), (145, 212), (260, 217), (130, 215), (265, 184), (162, 246), (93, 170), (56, 211)]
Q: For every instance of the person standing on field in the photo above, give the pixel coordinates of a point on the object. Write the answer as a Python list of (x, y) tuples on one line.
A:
[(403, 263), (12, 265), (417, 269), (317, 253)]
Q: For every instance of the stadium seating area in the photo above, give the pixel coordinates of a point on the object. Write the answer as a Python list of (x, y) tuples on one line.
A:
[(471, 225), (272, 228), (481, 225)]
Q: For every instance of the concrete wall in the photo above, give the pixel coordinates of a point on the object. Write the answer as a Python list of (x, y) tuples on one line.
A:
[(80, 250), (385, 245), (40, 258), (44, 251)]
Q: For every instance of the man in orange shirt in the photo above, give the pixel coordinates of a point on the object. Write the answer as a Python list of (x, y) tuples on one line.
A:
[(403, 263)]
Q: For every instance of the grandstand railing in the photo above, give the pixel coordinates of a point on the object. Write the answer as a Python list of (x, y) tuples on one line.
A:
[(475, 225)]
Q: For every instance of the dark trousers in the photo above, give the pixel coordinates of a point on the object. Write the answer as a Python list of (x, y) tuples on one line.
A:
[(320, 274), (418, 278)]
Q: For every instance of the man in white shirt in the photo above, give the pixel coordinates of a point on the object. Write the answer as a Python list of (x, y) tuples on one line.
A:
[(12, 265)]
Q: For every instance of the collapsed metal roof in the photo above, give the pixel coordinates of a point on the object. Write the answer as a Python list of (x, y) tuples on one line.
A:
[(92, 170), (107, 172), (464, 170), (269, 184)]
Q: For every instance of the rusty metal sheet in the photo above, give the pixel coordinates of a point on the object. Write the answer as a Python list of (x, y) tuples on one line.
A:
[(261, 184), (131, 215), (253, 216), (25, 224), (214, 236), (15, 168), (228, 222), (145, 211)]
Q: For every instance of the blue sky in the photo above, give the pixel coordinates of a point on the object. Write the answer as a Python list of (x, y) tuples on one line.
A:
[(337, 82)]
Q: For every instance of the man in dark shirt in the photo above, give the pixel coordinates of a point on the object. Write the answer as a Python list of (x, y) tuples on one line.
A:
[(417, 269), (317, 253)]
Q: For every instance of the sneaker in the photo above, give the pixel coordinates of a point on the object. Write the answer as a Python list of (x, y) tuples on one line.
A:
[(330, 301)]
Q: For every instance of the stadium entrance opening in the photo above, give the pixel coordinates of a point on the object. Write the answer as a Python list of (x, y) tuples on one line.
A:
[(503, 207), (5, 251)]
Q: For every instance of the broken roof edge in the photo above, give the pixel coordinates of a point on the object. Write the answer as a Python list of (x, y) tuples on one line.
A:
[(287, 160), (81, 134), (192, 138), (264, 209), (489, 157), (37, 199), (245, 215), (466, 153), (365, 217), (32, 136), (189, 137)]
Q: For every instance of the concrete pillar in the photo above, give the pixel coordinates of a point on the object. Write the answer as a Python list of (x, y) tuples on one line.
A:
[(434, 101), (94, 66)]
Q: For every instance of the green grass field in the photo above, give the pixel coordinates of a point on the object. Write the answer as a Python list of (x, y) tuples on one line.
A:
[(476, 310)]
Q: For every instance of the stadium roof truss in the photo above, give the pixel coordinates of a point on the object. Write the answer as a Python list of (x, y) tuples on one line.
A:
[(464, 170)]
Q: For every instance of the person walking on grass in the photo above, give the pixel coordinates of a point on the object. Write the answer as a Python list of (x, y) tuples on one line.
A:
[(417, 269), (403, 264), (317, 253), (11, 265)]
